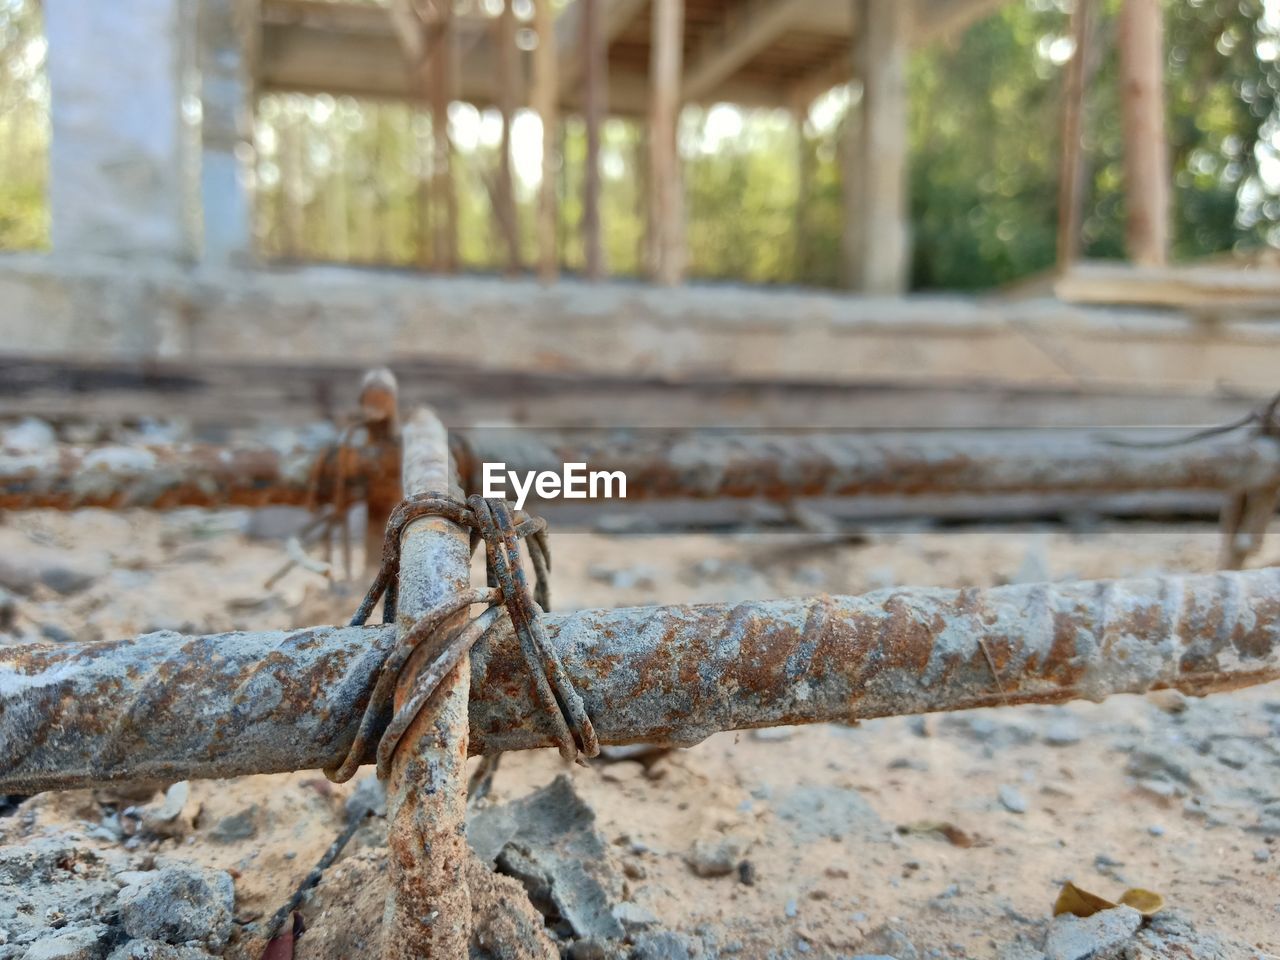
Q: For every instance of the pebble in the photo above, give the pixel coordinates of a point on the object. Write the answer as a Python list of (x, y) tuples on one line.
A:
[(1012, 799), (1262, 855), (661, 946), (715, 856), (634, 917), (1156, 830), (1062, 732), (238, 826), (1147, 765)]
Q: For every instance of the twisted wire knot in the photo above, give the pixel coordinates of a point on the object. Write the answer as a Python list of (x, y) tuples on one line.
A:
[(492, 522)]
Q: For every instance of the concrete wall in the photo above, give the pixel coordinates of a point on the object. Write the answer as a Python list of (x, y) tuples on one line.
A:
[(100, 307)]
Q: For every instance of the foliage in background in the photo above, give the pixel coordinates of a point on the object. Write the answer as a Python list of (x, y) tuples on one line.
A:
[(24, 128), (342, 180)]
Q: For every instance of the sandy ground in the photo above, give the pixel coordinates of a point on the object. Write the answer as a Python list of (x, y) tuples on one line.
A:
[(838, 835)]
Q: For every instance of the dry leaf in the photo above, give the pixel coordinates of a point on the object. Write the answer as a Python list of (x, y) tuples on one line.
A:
[(948, 831), (1146, 902), (1082, 903)]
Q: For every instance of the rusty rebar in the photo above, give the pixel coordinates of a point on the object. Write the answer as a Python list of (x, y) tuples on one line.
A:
[(166, 476), (379, 411), (429, 905), (164, 706), (783, 466), (658, 465)]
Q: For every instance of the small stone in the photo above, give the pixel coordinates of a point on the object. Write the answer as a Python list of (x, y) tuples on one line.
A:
[(889, 941), (81, 943), (1156, 830), (165, 819), (1063, 732), (156, 950), (238, 826), (715, 856), (1262, 855), (1075, 938), (29, 436), (591, 949), (634, 917), (1148, 765), (1011, 799), (1170, 701), (179, 904), (661, 946)]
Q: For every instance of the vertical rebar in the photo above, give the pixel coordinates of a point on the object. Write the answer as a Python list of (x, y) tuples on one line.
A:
[(379, 411), (429, 907)]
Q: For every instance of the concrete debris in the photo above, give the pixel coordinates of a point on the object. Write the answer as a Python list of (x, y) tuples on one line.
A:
[(1089, 938), (1171, 936), (504, 924), (549, 843), (179, 904), (634, 917), (888, 940), (60, 900), (156, 950), (662, 946), (80, 943)]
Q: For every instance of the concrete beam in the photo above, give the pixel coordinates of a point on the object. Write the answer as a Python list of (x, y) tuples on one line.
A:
[(747, 29)]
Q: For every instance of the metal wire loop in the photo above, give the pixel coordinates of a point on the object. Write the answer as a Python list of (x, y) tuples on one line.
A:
[(492, 522)]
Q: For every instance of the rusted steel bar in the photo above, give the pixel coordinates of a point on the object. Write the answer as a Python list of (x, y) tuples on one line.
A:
[(170, 707), (429, 905), (783, 466), (701, 465), (165, 476), (379, 411), (676, 673)]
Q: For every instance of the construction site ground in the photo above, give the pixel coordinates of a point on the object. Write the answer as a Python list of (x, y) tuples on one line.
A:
[(941, 836)]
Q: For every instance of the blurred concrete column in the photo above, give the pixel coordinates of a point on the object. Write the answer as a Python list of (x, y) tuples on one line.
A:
[(877, 234), (119, 144), (224, 32)]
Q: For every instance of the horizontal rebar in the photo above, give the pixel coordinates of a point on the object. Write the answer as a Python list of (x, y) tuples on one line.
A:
[(780, 466), (168, 707), (659, 466), (165, 476)]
